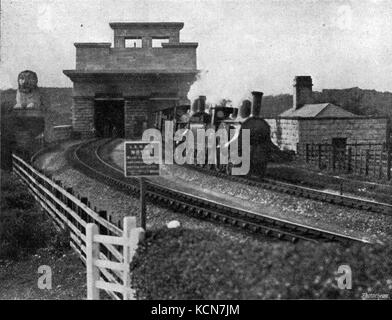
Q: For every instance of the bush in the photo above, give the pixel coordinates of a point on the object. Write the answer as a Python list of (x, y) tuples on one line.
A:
[(23, 232), (189, 264), (60, 241), (24, 228), (16, 198), (13, 193)]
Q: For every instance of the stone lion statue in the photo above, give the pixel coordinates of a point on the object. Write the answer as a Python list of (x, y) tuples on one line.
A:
[(28, 95)]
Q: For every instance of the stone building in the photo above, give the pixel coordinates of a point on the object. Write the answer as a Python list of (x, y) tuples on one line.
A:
[(116, 90), (323, 123)]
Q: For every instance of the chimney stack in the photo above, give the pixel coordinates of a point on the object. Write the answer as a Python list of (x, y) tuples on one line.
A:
[(202, 103), (302, 91), (198, 105), (256, 105)]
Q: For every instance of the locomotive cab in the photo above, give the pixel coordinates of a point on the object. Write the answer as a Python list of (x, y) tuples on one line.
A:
[(260, 134)]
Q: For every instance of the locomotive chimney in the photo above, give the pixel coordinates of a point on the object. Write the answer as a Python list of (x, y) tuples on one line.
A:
[(198, 105), (302, 91), (256, 105), (202, 103)]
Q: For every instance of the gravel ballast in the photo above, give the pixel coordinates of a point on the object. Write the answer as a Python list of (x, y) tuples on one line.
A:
[(119, 204), (349, 221)]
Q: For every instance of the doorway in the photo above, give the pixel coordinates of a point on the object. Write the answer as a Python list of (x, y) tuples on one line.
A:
[(109, 118)]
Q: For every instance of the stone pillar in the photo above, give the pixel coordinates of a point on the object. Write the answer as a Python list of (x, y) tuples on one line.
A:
[(83, 116), (119, 42), (146, 42)]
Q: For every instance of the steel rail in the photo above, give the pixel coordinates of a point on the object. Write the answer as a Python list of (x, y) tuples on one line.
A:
[(305, 192), (198, 206)]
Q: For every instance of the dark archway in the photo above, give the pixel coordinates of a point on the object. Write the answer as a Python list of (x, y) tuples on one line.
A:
[(109, 118)]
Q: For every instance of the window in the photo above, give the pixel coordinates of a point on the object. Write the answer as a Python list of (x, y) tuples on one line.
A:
[(133, 43), (157, 42)]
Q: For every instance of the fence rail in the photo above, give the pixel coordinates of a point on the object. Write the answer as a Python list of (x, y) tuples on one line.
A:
[(122, 258), (372, 160), (108, 252)]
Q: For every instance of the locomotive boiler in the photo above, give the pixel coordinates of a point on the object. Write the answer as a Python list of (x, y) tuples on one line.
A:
[(234, 121)]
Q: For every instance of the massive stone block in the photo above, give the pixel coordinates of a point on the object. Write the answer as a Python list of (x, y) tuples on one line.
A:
[(145, 78), (83, 116)]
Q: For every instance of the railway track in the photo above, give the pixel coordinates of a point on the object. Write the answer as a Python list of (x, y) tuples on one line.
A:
[(86, 157), (305, 192)]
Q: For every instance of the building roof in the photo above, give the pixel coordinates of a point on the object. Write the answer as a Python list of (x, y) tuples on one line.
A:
[(318, 110), (121, 25)]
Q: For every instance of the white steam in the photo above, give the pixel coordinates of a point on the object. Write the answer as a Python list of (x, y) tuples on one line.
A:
[(220, 85)]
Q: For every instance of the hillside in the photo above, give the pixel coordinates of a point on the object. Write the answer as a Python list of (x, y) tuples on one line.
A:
[(355, 100), (58, 100)]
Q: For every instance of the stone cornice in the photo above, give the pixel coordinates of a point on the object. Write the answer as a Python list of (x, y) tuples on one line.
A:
[(124, 74)]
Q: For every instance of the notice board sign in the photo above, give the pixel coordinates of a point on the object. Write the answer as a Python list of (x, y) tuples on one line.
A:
[(135, 165)]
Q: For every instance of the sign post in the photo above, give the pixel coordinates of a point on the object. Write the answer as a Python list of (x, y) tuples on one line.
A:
[(142, 217), (137, 166)]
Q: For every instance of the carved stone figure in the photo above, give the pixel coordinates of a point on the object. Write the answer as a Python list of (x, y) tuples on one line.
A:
[(28, 95), (27, 117)]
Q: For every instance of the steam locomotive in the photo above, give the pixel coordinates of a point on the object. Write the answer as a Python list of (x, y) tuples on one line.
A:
[(233, 121)]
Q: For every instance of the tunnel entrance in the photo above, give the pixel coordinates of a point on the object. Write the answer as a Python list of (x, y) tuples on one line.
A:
[(109, 118)]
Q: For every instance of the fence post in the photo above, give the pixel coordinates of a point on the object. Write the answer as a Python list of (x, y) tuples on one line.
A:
[(103, 214), (307, 153), (142, 203), (355, 158), (129, 224), (92, 254), (103, 230), (367, 162), (333, 157), (319, 156), (85, 216), (389, 161), (313, 160), (380, 165), (349, 160)]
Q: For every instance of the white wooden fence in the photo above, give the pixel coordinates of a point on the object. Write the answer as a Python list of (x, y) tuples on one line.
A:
[(97, 261), (105, 241)]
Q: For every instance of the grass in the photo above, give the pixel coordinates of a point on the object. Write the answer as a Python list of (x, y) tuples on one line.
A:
[(19, 279), (189, 264), (29, 239)]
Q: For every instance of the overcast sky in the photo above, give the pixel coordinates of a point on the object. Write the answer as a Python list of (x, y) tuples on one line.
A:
[(243, 45)]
